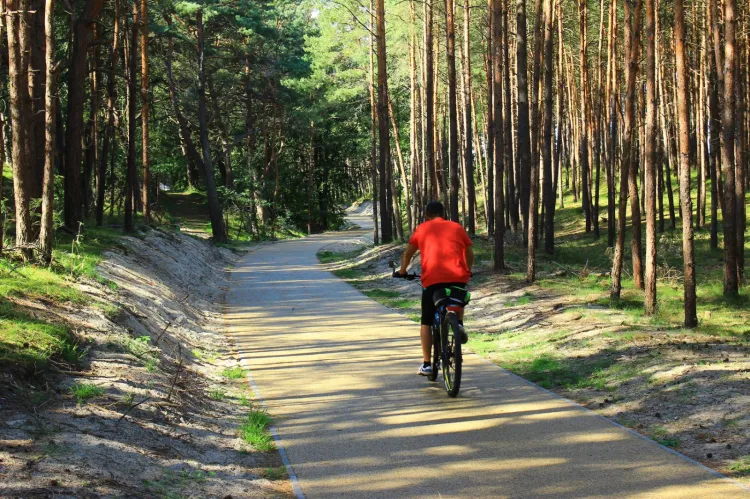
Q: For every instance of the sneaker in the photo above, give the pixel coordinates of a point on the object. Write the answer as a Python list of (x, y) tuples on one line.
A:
[(425, 370), (464, 336)]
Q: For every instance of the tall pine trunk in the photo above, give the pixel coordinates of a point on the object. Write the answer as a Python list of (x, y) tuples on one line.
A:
[(145, 114), (549, 193), (632, 22), (650, 160), (131, 173), (524, 137), (469, 142), (731, 284), (76, 76), (499, 139), (218, 229), (691, 318), (48, 184)]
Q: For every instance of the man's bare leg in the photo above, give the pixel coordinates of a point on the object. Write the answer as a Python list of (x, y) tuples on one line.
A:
[(426, 335)]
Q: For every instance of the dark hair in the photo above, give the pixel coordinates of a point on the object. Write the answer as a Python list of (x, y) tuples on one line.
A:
[(434, 209)]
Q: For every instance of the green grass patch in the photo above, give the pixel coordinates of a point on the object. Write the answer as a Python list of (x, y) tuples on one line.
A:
[(254, 431), (333, 257), (276, 473), (217, 395), (741, 465), (348, 274), (85, 391), (30, 344), (381, 293), (235, 372)]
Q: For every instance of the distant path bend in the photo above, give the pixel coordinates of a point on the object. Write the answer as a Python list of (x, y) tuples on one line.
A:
[(337, 372)]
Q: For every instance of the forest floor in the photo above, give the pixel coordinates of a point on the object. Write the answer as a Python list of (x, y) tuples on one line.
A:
[(118, 379), (686, 389)]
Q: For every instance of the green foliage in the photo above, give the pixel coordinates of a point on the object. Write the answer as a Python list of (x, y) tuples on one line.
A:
[(235, 372), (254, 431), (85, 391), (741, 465)]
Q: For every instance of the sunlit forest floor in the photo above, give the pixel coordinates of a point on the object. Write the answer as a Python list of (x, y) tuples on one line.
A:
[(686, 389)]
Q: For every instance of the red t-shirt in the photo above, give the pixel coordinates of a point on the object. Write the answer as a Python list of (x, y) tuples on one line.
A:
[(442, 244)]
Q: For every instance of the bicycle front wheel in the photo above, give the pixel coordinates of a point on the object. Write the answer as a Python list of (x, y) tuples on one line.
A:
[(451, 354)]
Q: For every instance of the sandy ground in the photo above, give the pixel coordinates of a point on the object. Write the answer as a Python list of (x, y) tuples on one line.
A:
[(166, 422), (691, 389)]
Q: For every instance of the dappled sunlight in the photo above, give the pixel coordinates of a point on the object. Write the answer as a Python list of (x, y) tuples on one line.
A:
[(337, 372)]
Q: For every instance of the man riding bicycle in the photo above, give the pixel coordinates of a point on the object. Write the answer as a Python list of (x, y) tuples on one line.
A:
[(447, 259)]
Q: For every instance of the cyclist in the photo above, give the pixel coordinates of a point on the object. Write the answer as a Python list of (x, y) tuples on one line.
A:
[(447, 259)]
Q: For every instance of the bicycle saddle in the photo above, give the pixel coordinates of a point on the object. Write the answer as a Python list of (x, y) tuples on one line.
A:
[(452, 295)]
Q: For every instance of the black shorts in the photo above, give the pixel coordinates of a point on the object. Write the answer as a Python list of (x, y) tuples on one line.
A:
[(428, 306)]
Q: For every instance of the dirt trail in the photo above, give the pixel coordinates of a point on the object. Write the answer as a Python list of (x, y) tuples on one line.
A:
[(338, 371), (163, 420)]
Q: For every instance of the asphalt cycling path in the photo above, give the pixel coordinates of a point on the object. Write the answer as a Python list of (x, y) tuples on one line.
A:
[(337, 371)]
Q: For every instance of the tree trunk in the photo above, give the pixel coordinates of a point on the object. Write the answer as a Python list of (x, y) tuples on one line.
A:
[(144, 114), (635, 206), (401, 165), (130, 177), (429, 100), (48, 194), (632, 22), (76, 76), (490, 124), (731, 284), (509, 158), (650, 171), (217, 219), (450, 49), (524, 138), (549, 193), (469, 142), (714, 127), (91, 155), (585, 114), (499, 139), (373, 132), (384, 166), (17, 25), (612, 127), (691, 318), (108, 139)]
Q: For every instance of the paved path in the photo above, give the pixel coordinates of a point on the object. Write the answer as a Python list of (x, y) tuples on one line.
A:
[(337, 372)]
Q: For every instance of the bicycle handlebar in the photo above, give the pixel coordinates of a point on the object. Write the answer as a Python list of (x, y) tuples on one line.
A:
[(408, 277)]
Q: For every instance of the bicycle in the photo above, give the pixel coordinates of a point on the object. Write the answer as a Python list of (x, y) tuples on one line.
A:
[(446, 334)]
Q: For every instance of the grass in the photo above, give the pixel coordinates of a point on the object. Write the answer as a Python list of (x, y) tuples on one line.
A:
[(279, 473), (333, 257), (85, 391), (30, 344), (217, 395), (235, 372), (254, 431), (347, 274), (171, 483), (741, 465)]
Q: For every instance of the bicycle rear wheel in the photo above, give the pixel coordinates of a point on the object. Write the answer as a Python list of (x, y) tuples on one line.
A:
[(435, 355), (451, 354)]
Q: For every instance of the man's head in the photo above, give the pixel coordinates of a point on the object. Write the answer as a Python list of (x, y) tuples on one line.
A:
[(434, 209)]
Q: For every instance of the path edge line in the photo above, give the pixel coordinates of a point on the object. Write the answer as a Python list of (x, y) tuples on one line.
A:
[(296, 487)]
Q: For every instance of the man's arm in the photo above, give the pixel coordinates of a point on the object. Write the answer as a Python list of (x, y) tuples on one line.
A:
[(406, 259), (469, 257)]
